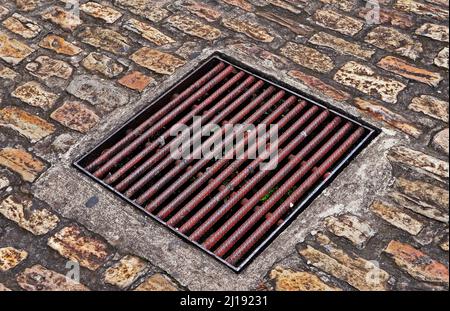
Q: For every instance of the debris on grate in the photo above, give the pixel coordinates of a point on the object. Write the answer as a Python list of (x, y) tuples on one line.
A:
[(227, 158)]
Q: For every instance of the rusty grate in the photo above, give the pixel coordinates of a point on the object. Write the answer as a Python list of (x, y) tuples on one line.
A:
[(227, 206)]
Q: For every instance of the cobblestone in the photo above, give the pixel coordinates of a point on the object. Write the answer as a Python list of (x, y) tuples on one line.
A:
[(22, 163), (11, 257), (288, 280), (157, 282), (126, 271)]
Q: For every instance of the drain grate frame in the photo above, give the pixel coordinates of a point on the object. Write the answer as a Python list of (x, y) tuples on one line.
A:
[(370, 133)]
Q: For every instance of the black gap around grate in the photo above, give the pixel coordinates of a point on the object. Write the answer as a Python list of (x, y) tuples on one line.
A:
[(236, 218)]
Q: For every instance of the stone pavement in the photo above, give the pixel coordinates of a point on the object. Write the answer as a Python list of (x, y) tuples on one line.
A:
[(71, 74)]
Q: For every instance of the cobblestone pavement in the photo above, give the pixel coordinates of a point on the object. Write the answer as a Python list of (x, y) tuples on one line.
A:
[(65, 75)]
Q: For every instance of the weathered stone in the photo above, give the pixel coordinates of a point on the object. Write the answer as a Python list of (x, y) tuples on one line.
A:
[(341, 46), (420, 161), (444, 245), (407, 70), (64, 19), (194, 27), (264, 57), (202, 10), (249, 28), (345, 5), (98, 92), (333, 20), (33, 94), (243, 4), (389, 16), (364, 79), (441, 59), (26, 5), (420, 208), (38, 278), (45, 68), (126, 271), (30, 126), (396, 217), (11, 257), (381, 113), (103, 12), (21, 211), (439, 2), (423, 192), (288, 280), (157, 61), (148, 32), (145, 9), (286, 5), (307, 57), (3, 288), (319, 86), (99, 63), (105, 39), (70, 243), (424, 9), (59, 45), (356, 271), (7, 73), (135, 81), (76, 116), (417, 264), (22, 163), (3, 11), (22, 26), (13, 51), (4, 182), (431, 106), (394, 41), (433, 31), (440, 140), (157, 282), (350, 227), (292, 25)]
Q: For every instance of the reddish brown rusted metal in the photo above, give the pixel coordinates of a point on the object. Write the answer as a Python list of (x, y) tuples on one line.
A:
[(155, 117), (286, 205), (105, 168)]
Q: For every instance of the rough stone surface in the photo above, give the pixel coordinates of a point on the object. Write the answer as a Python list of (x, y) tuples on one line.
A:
[(360, 273), (423, 192), (416, 263), (396, 217), (4, 182), (3, 288), (407, 70), (249, 28), (441, 59), (157, 61), (73, 245), (288, 280), (433, 31), (341, 23), (148, 32), (45, 68), (22, 26), (148, 10), (22, 163), (11, 257), (364, 79), (419, 160), (350, 227), (19, 210), (64, 19), (103, 12), (431, 106), (102, 64), (157, 282), (35, 95), (76, 116), (381, 113), (341, 45), (39, 278), (136, 81), (440, 140), (13, 51), (126, 271), (194, 27), (98, 92), (395, 41), (422, 9), (307, 57), (30, 126), (59, 45), (105, 39)]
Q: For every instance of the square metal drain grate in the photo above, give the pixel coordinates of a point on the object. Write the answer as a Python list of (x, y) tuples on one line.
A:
[(228, 205)]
